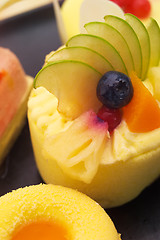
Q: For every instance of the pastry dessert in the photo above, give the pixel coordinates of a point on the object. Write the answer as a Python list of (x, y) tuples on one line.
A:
[(53, 212), (15, 88), (94, 114)]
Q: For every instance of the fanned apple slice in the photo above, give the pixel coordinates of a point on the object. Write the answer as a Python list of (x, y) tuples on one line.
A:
[(60, 77), (101, 46), (144, 40), (154, 34), (111, 35), (82, 54), (131, 38)]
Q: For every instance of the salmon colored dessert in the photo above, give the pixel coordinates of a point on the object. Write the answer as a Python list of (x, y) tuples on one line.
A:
[(94, 113), (47, 212), (15, 87)]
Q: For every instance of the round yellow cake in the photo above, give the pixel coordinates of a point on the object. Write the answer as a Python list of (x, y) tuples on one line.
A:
[(53, 212)]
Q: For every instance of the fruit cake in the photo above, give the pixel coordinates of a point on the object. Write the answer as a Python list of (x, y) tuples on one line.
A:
[(53, 212), (94, 112)]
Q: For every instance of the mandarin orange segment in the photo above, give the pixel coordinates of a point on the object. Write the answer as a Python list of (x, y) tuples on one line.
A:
[(142, 114)]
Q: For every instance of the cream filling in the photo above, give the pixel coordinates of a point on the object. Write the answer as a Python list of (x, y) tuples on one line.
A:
[(122, 145)]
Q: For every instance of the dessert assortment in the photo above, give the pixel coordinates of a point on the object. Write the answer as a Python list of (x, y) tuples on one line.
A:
[(53, 212), (15, 87), (94, 120)]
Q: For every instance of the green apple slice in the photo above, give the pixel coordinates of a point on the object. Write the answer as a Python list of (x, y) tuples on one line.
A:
[(101, 46), (82, 54), (131, 38), (74, 83), (111, 35), (154, 34), (144, 40)]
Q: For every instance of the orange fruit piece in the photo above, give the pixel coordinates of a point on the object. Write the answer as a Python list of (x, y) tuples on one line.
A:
[(142, 114), (40, 231)]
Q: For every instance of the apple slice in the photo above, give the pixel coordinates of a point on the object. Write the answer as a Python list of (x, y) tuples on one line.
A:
[(82, 54), (154, 34), (60, 77), (111, 35), (131, 38), (101, 46), (144, 40)]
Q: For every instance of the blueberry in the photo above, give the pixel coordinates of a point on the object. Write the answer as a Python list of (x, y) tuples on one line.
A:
[(115, 89)]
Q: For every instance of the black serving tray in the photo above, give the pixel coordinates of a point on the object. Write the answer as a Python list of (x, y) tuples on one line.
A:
[(31, 36)]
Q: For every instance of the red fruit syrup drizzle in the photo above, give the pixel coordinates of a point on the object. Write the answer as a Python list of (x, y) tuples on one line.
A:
[(139, 8)]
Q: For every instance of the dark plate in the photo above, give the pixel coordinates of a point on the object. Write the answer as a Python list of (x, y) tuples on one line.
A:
[(31, 36)]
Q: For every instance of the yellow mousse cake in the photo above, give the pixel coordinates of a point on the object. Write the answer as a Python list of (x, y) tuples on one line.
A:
[(53, 212), (94, 114), (15, 88)]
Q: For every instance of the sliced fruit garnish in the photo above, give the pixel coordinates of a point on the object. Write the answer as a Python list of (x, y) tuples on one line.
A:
[(101, 46), (82, 54), (73, 83), (144, 40), (86, 57), (131, 38), (154, 35), (142, 114), (111, 35)]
